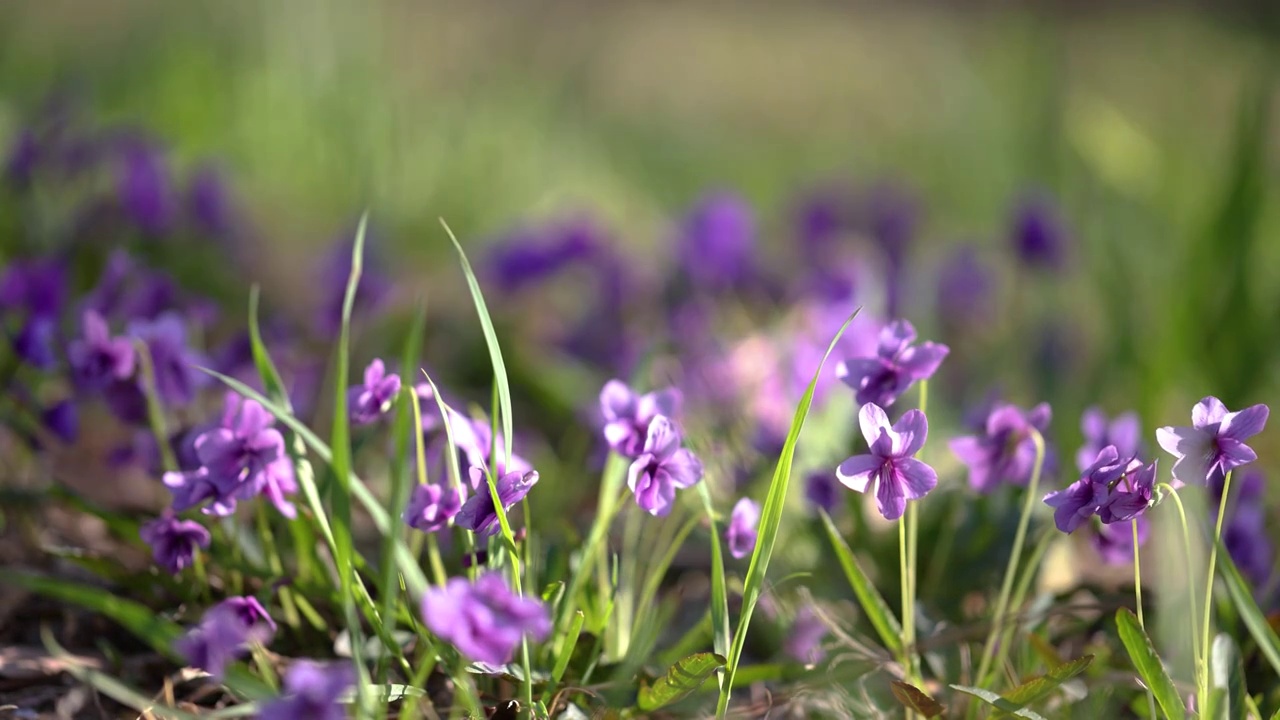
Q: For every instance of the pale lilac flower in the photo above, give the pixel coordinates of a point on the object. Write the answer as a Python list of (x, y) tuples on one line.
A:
[(1114, 543), (371, 400), (889, 471), (312, 691), (432, 506), (741, 533), (627, 415), (1074, 506), (484, 621), (804, 643), (882, 378), (1214, 444), (96, 358), (1005, 453), (173, 541), (221, 637), (661, 468), (479, 514), (1124, 432)]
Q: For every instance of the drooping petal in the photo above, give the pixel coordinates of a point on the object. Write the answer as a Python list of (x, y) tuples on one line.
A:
[(915, 477), (617, 401), (922, 361), (889, 496), (1244, 424), (858, 471), (873, 420)]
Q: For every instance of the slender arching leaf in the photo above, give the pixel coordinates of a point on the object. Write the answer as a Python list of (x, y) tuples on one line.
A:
[(913, 698), (1253, 617), (719, 595), (1040, 687), (1147, 663), (873, 604), (687, 675), (267, 371), (1226, 676), (998, 702)]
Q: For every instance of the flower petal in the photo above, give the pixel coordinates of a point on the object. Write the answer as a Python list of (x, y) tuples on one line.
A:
[(1208, 411), (684, 468), (1182, 441), (889, 497), (912, 429), (663, 437), (1244, 424), (894, 337), (857, 472), (1235, 453), (922, 361), (616, 400), (872, 419), (916, 478)]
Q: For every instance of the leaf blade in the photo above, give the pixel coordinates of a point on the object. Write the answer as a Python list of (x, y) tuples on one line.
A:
[(913, 698), (685, 676), (872, 602), (1145, 660)]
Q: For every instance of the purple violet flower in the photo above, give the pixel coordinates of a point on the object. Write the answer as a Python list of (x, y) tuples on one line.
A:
[(478, 514), (889, 471), (1114, 543), (1074, 506), (717, 243), (221, 637), (174, 541), (627, 415), (662, 467), (741, 533), (1214, 444), (312, 691), (820, 490), (172, 360), (145, 188), (96, 358), (432, 506), (250, 611), (1039, 234), (1005, 452), (1131, 495), (371, 400), (484, 621), (804, 643), (883, 377), (1124, 431)]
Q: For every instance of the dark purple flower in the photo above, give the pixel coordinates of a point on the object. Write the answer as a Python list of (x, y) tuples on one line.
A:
[(312, 691), (1124, 432), (145, 187), (1249, 544), (432, 506), (880, 379), (479, 514), (221, 637), (37, 287), (530, 255), (965, 290), (191, 488), (484, 621), (1074, 506), (250, 611), (372, 291), (889, 471), (627, 415), (662, 467), (1114, 543), (173, 362), (1214, 444), (1005, 453), (371, 400), (1039, 235), (174, 541), (96, 358), (717, 243), (820, 490), (63, 419), (208, 201), (804, 643), (741, 533), (1131, 495)]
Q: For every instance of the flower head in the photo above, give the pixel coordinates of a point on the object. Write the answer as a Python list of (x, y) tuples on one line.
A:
[(485, 620), (741, 534), (1074, 506), (889, 470), (965, 290), (804, 644), (312, 691), (432, 506), (881, 378), (173, 541), (627, 415), (250, 611), (1124, 432), (1214, 444), (1131, 495), (172, 360), (820, 490), (662, 467), (96, 358), (222, 636), (479, 514), (717, 243), (1005, 452), (369, 401)]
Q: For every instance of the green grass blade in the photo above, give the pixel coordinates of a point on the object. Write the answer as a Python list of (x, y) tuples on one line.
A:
[(1226, 676), (1038, 688), (873, 604), (491, 339), (770, 519), (721, 637), (1247, 607), (681, 679), (999, 703), (1147, 663), (267, 371)]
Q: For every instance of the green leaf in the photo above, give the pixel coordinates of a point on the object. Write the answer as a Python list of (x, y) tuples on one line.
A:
[(1040, 687), (1226, 675), (683, 678), (1147, 663), (998, 702), (1253, 617), (913, 698), (873, 604), (719, 593), (770, 520), (267, 372)]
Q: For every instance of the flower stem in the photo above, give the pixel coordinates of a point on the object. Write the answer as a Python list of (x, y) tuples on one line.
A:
[(1006, 586), (1191, 591), (1208, 589), (1137, 594), (908, 615), (913, 542)]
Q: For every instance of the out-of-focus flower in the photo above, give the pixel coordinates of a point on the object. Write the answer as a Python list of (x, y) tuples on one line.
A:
[(221, 637), (804, 643), (432, 506), (627, 415), (1124, 432), (883, 377), (820, 490), (174, 541), (662, 467), (741, 533), (1005, 452), (62, 419), (35, 291), (531, 254), (891, 214), (312, 691), (1244, 532), (96, 358), (1114, 543), (479, 514), (371, 400), (372, 290), (1039, 234), (965, 290), (717, 243), (173, 362), (485, 621), (250, 611), (145, 187), (1214, 444), (209, 203), (889, 470)]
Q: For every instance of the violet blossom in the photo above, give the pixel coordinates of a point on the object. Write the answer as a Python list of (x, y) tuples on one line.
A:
[(371, 400), (96, 358), (741, 533), (431, 506), (1074, 506), (1124, 432), (1005, 452), (661, 468), (1214, 444), (312, 691), (889, 470), (627, 415), (479, 514), (174, 541), (485, 621), (880, 379), (804, 643), (717, 243), (222, 636), (173, 362), (1039, 235)]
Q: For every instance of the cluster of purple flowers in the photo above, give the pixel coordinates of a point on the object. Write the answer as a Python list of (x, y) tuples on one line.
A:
[(637, 428), (484, 619)]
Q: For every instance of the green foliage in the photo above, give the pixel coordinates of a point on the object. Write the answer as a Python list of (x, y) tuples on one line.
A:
[(1145, 660), (916, 699), (679, 681)]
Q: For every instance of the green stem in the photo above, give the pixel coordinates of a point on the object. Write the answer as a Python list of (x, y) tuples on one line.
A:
[(155, 411), (1205, 647), (1006, 586), (913, 543), (1137, 594), (908, 611), (1191, 591)]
